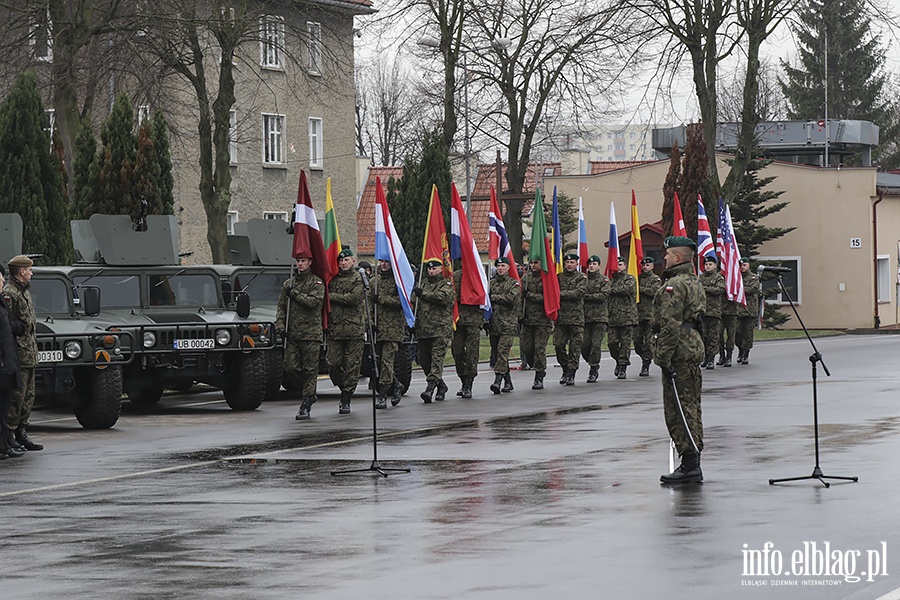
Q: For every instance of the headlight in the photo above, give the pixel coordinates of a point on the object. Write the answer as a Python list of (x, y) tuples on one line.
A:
[(223, 336), (73, 349), (149, 339)]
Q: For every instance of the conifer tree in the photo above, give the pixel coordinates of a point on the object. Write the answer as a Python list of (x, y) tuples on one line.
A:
[(694, 177), (84, 171), (115, 166), (145, 190), (166, 181), (752, 205), (672, 184)]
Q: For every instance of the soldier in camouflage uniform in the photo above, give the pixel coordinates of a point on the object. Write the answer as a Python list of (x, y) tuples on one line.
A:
[(622, 317), (434, 326), (714, 286), (596, 316), (466, 338), (536, 325), (17, 296), (747, 316), (506, 302), (569, 331), (346, 325), (390, 325), (299, 318), (648, 284), (726, 338), (678, 350)]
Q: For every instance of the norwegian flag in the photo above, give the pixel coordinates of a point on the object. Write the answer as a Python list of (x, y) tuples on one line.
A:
[(729, 257), (705, 244), (498, 240)]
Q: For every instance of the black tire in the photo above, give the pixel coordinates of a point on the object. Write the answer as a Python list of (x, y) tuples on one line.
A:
[(103, 399), (249, 376), (403, 364), (274, 366), (145, 391)]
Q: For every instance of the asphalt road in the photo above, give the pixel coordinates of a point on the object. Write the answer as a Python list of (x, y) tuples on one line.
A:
[(528, 495)]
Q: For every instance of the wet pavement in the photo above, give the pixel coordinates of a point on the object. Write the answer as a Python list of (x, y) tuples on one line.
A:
[(527, 495)]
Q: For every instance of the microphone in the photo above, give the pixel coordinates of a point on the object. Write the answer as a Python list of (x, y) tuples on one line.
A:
[(365, 278), (762, 268)]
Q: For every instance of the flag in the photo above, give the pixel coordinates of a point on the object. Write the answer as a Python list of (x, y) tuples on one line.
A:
[(729, 257), (612, 256), (388, 247), (473, 284), (540, 250), (637, 248), (705, 244), (499, 242), (582, 239), (308, 241), (332, 239), (436, 246), (557, 235), (678, 222)]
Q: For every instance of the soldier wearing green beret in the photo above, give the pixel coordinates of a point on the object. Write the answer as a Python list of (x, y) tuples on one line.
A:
[(714, 286), (622, 317), (536, 325), (506, 302), (747, 314), (346, 326), (434, 326), (596, 316), (464, 346), (648, 284), (390, 325), (678, 349), (569, 331)]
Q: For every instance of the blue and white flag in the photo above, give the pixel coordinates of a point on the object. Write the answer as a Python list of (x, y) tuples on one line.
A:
[(388, 247)]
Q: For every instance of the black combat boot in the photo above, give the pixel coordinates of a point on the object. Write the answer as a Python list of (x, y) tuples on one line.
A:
[(564, 377), (467, 388), (24, 440), (495, 387), (345, 403), (396, 393), (747, 356), (538, 380), (621, 374), (687, 472), (727, 361), (710, 363), (305, 404), (462, 388), (10, 439), (721, 360), (593, 374), (570, 377), (645, 369), (428, 393), (704, 363), (507, 384), (442, 390)]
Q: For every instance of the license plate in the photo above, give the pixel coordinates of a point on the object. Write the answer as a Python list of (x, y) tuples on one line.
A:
[(201, 344), (48, 356)]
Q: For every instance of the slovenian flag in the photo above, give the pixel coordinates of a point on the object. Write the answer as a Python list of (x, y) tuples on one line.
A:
[(388, 247), (473, 286), (612, 256), (498, 239)]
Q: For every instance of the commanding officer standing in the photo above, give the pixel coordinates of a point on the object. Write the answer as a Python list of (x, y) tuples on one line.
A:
[(569, 332), (389, 327), (648, 284), (596, 316), (678, 349), (434, 326), (714, 286), (506, 302), (17, 297), (466, 337), (299, 318), (622, 317), (346, 326), (536, 325), (748, 315)]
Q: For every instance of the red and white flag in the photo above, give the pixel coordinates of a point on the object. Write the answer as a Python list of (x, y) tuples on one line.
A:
[(308, 240), (729, 257)]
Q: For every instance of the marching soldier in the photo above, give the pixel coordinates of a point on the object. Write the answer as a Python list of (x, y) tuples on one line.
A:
[(596, 316), (390, 324), (434, 326), (299, 318), (569, 331), (346, 326), (536, 325), (677, 350), (17, 297), (714, 286), (648, 284), (622, 317), (747, 315), (506, 300), (466, 338), (726, 338)]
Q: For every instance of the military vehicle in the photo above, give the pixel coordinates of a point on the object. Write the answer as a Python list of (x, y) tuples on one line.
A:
[(183, 331)]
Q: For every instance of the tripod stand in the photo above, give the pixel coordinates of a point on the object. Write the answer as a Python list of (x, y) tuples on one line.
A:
[(814, 358), (375, 466)]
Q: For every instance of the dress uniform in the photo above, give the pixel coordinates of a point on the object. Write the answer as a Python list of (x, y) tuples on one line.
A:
[(506, 302), (17, 297), (747, 315), (569, 331), (714, 286), (596, 316), (648, 284), (346, 328), (536, 325), (622, 317), (434, 326), (390, 325)]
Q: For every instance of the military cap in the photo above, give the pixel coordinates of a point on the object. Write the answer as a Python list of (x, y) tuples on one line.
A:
[(679, 241), (648, 260), (622, 259), (742, 261), (364, 264), (345, 252), (710, 258), (502, 261), (20, 261), (432, 262), (594, 258), (570, 256)]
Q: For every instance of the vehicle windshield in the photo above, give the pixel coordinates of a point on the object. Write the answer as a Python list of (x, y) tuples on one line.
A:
[(50, 296), (183, 289), (263, 288), (116, 290)]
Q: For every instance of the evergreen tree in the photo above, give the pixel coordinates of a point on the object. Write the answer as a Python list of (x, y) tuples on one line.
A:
[(145, 190), (166, 181), (30, 178), (856, 75), (751, 206), (83, 169), (568, 221), (672, 184), (694, 177), (115, 167)]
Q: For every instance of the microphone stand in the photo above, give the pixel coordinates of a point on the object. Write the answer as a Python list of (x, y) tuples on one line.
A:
[(814, 358), (375, 466)]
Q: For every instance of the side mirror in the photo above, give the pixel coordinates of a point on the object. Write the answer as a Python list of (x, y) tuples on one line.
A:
[(90, 300), (243, 305), (227, 295)]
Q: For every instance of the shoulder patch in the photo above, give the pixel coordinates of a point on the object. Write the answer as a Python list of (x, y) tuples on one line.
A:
[(319, 282), (669, 288), (7, 296), (516, 283)]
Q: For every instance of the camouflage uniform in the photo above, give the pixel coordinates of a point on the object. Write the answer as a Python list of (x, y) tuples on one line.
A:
[(434, 326), (299, 316), (596, 316), (747, 316), (714, 286), (677, 308), (569, 331), (466, 338), (506, 302), (726, 338), (346, 326), (536, 325), (390, 325), (648, 285), (622, 318), (17, 297)]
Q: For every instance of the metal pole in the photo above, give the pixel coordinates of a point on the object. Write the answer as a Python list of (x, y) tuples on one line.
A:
[(827, 129), (467, 145)]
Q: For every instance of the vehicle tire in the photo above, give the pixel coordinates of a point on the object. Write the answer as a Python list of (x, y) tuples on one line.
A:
[(403, 364), (103, 399), (248, 383), (274, 366), (145, 391)]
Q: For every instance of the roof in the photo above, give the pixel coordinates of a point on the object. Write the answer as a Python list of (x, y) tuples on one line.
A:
[(487, 176), (358, 7), (604, 166)]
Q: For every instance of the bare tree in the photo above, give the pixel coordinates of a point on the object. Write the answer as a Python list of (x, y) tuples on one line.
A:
[(384, 98)]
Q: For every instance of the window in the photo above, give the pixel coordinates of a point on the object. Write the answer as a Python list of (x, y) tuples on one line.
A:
[(41, 38), (631, 147), (230, 219), (143, 114), (314, 47), (274, 215), (609, 147), (273, 139), (884, 278), (791, 279), (232, 137), (315, 143), (632, 135), (271, 42)]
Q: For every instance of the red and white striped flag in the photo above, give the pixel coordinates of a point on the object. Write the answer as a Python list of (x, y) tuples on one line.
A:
[(729, 257)]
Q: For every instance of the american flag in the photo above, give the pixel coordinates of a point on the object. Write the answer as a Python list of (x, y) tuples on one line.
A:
[(705, 244), (729, 257)]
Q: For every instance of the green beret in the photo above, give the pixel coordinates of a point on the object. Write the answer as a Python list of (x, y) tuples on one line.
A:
[(433, 263), (622, 259), (648, 260), (745, 261), (345, 252), (502, 261), (570, 256), (20, 261), (679, 241), (594, 258), (710, 258)]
